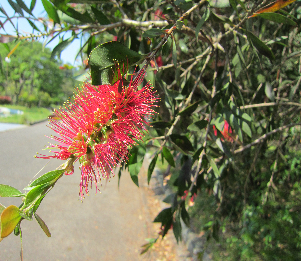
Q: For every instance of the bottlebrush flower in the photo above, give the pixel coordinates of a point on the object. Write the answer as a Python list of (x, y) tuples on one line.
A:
[(227, 131), (99, 127)]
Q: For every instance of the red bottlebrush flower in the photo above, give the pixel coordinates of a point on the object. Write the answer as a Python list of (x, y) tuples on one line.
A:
[(226, 132), (159, 14), (99, 127), (158, 61)]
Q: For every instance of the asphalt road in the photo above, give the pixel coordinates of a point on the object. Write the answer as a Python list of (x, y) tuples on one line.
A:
[(107, 226)]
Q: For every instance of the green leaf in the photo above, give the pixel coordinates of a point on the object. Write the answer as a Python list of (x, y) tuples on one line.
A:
[(198, 125), (177, 229), (102, 19), (201, 22), (67, 19), (221, 19), (164, 216), (182, 142), (219, 3), (134, 170), (183, 46), (234, 5), (24, 7), (246, 129), (167, 155), (50, 178), (16, 7), (32, 4), (190, 109), (33, 196), (61, 46), (133, 156), (223, 147), (154, 32), (197, 154), (106, 55), (215, 169), (8, 191), (277, 18), (179, 24), (51, 11), (160, 124), (42, 225), (84, 18), (174, 53), (269, 91), (10, 217), (33, 25), (147, 246), (260, 46), (185, 215), (151, 168)]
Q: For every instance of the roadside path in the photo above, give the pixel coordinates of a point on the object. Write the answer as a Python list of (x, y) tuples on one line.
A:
[(108, 226)]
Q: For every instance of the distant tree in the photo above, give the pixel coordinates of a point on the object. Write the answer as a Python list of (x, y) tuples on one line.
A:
[(30, 77)]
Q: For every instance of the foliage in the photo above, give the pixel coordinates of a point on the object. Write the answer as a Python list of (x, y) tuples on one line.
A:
[(31, 78), (227, 124)]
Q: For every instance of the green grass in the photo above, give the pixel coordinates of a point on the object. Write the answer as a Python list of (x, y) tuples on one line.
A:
[(30, 115)]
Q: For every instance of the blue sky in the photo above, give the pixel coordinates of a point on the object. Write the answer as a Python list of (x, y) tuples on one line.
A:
[(68, 55)]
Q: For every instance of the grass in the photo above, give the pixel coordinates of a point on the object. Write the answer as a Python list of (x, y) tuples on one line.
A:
[(30, 115)]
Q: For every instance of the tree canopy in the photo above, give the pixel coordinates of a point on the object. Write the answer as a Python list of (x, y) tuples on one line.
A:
[(31, 77)]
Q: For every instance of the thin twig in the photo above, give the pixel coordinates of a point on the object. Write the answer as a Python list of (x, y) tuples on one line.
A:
[(269, 104), (263, 137)]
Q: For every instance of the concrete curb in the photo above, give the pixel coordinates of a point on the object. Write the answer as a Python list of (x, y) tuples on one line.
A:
[(194, 243), (36, 122)]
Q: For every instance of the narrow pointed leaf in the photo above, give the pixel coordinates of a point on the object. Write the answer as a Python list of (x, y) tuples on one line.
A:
[(50, 177), (185, 215), (198, 125), (201, 22), (32, 4), (8, 191), (42, 225), (61, 46), (260, 46), (164, 216), (51, 11), (154, 32), (177, 229), (151, 168), (182, 142), (160, 124), (24, 7), (134, 170), (215, 168), (34, 194), (278, 18), (190, 109), (16, 7), (168, 156)]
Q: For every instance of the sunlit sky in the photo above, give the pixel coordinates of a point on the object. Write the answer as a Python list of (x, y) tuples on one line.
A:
[(67, 56)]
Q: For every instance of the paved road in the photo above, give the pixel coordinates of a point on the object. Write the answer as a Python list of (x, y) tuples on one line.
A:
[(106, 226)]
